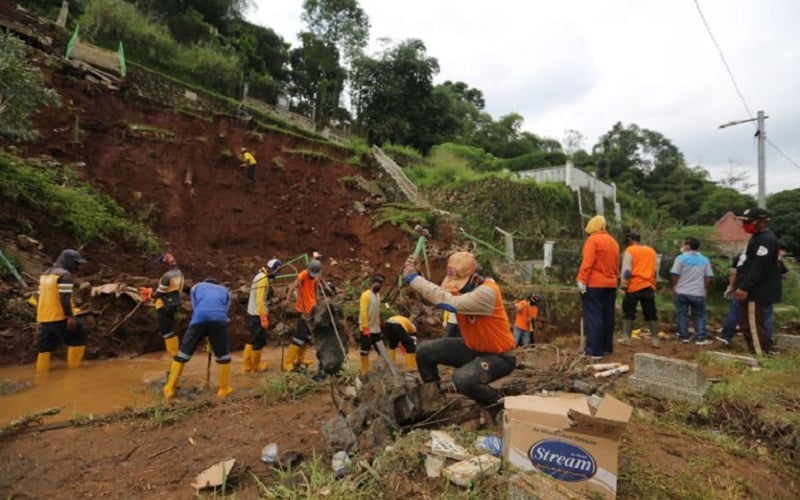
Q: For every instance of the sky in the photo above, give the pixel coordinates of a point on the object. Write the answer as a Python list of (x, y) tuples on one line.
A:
[(587, 64)]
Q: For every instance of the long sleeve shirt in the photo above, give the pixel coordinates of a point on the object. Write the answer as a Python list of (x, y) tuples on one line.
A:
[(210, 302), (369, 307), (600, 262)]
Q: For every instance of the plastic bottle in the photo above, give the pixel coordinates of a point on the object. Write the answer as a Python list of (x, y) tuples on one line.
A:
[(490, 443), (340, 463), (270, 453)]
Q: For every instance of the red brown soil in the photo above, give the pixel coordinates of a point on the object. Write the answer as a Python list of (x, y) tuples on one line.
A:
[(228, 229)]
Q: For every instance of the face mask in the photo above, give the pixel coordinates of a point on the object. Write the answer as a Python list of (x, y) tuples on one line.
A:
[(474, 282), (749, 227)]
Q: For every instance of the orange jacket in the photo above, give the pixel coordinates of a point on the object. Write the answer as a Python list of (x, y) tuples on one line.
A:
[(600, 263), (526, 314), (642, 267), (306, 293), (487, 334)]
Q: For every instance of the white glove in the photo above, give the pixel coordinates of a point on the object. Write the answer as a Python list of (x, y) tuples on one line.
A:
[(582, 287), (728, 294)]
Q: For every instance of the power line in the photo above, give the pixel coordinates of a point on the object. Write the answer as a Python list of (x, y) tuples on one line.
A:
[(776, 148), (735, 85), (724, 61)]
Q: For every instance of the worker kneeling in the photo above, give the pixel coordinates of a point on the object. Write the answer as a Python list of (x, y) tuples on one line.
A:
[(398, 330), (210, 305), (485, 351)]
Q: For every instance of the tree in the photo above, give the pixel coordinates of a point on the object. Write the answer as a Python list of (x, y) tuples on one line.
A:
[(338, 22), (22, 90), (316, 78), (783, 209), (394, 98), (573, 142), (718, 202)]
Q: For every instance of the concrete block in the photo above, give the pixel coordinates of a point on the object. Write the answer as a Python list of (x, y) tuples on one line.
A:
[(786, 342), (735, 358), (668, 378)]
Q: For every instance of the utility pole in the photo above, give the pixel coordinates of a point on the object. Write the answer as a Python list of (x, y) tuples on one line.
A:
[(762, 137)]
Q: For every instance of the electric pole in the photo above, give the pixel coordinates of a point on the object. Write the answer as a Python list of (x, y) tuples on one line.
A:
[(761, 136)]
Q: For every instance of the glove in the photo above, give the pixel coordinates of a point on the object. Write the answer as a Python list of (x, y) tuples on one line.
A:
[(728, 294), (582, 287), (409, 271), (365, 332), (146, 293), (264, 321)]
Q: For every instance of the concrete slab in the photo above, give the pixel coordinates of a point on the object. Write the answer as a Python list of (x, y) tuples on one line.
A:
[(784, 342), (668, 378), (735, 358)]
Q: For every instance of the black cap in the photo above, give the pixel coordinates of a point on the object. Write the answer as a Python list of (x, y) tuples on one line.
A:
[(631, 236), (755, 213), (378, 278)]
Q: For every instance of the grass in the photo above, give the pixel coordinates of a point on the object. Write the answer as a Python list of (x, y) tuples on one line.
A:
[(70, 203), (310, 154), (406, 217), (290, 387), (158, 132)]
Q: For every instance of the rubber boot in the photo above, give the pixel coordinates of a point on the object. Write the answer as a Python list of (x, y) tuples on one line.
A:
[(43, 362), (247, 358), (172, 345), (364, 365), (392, 354), (255, 361), (411, 362), (291, 356), (175, 371), (301, 357), (627, 326), (654, 334), (75, 355), (224, 380)]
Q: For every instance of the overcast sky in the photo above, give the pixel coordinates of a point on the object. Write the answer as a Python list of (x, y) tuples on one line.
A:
[(586, 64)]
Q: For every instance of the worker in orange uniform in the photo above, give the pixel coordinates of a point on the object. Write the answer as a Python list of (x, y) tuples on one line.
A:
[(597, 283), (168, 301), (485, 350), (639, 285), (55, 312), (399, 330), (305, 290), (527, 311)]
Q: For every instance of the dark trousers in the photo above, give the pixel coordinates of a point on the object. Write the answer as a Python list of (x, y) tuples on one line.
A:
[(762, 328), (598, 320), (166, 321), (53, 330), (258, 335), (302, 333), (474, 370), (217, 333), (395, 334), (646, 297), (452, 330), (367, 343)]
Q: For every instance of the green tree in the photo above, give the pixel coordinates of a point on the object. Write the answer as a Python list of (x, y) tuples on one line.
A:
[(316, 78), (394, 99), (783, 209), (22, 90), (720, 200), (338, 22)]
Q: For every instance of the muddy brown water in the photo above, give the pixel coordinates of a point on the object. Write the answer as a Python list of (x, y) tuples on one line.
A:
[(102, 387)]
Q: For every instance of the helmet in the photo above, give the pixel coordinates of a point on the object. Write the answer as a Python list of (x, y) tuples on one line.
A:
[(273, 265), (69, 259), (314, 268), (167, 259), (242, 149), (378, 278)]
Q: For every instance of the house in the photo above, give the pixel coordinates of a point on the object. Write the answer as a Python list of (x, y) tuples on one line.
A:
[(729, 236)]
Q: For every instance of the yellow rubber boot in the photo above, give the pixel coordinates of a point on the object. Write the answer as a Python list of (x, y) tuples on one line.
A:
[(247, 355), (75, 355), (175, 371), (391, 354), (364, 365), (43, 362), (224, 380), (255, 361), (301, 358), (172, 345), (411, 362), (290, 357)]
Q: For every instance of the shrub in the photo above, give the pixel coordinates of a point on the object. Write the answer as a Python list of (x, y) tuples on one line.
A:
[(22, 90)]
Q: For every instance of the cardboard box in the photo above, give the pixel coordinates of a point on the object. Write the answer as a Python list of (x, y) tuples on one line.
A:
[(567, 439)]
